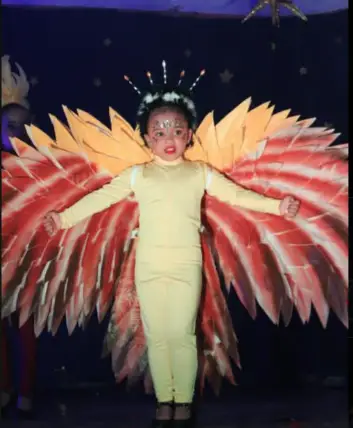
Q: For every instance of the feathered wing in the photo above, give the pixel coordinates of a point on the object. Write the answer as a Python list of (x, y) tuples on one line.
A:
[(277, 263), (75, 271)]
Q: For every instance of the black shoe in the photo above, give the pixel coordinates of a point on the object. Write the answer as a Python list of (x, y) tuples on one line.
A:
[(184, 423), (163, 423), (6, 411), (25, 415)]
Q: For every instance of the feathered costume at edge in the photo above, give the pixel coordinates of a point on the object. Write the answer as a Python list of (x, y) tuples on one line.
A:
[(14, 90), (279, 264), (14, 87)]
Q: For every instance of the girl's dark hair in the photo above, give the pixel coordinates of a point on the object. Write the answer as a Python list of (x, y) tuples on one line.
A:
[(22, 135), (173, 100), (7, 107)]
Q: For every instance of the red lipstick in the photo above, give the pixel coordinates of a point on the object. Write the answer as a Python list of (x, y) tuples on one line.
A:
[(170, 150)]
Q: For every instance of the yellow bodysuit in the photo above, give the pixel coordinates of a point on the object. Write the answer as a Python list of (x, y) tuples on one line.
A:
[(168, 271)]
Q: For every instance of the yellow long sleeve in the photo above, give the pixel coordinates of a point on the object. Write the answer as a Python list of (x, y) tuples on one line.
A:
[(113, 192), (225, 190)]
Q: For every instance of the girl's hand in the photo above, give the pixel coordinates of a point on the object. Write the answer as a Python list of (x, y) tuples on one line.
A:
[(52, 223), (289, 207)]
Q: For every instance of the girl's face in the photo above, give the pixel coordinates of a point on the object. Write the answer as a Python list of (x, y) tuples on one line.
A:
[(168, 134), (14, 121)]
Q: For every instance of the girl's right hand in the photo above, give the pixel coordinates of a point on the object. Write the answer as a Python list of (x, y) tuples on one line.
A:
[(52, 223)]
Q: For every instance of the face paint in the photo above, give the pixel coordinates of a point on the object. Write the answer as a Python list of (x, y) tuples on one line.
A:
[(166, 124), (168, 134)]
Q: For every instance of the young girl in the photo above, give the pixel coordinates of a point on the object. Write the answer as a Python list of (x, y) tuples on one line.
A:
[(15, 114), (168, 270)]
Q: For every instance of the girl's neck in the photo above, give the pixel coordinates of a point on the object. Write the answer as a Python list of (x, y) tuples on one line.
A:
[(160, 161)]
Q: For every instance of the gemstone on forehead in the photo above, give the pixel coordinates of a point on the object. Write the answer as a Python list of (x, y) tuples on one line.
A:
[(168, 124)]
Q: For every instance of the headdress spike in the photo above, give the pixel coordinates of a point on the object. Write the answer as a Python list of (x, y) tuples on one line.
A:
[(149, 75), (164, 66), (127, 78), (202, 73), (182, 74)]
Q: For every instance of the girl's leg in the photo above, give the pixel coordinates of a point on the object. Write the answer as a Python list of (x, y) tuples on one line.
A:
[(28, 354), (6, 379), (152, 295), (183, 304)]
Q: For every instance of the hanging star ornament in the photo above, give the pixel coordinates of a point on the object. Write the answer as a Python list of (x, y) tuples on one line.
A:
[(275, 5), (226, 76), (33, 81)]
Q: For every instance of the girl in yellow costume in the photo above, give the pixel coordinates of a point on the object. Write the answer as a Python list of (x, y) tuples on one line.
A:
[(168, 181), (168, 270)]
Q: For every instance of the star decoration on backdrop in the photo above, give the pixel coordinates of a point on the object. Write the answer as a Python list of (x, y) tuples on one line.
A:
[(275, 5), (33, 81), (175, 10), (187, 53), (62, 409), (273, 46), (226, 76), (107, 42), (303, 71), (97, 82)]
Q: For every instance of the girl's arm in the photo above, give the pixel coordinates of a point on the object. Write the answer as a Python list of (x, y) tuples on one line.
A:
[(118, 189), (225, 190)]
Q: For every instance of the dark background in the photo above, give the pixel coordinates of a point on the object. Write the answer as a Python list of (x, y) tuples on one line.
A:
[(78, 58)]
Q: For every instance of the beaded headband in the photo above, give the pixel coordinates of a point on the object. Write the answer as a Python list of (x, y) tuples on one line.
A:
[(171, 97)]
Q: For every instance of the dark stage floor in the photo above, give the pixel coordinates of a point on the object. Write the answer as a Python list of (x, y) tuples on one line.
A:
[(107, 408)]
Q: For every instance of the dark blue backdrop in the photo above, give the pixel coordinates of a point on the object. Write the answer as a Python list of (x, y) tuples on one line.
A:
[(78, 58)]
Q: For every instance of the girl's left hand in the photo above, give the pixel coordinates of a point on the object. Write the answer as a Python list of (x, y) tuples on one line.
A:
[(289, 207)]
